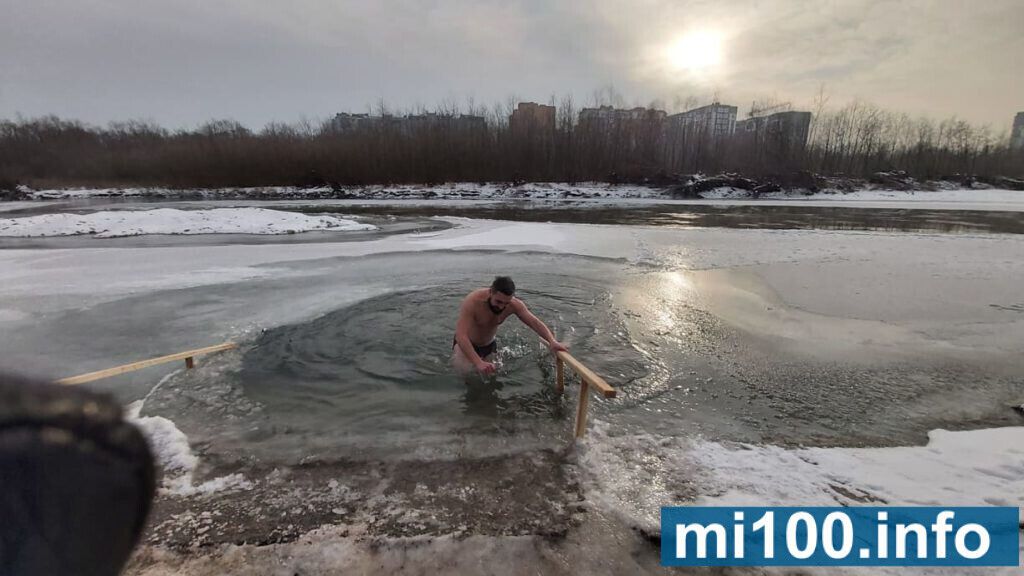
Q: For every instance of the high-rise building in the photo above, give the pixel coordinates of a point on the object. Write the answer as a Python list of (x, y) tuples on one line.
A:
[(631, 130), (1017, 136), (345, 122), (606, 116), (714, 120), (784, 130), (532, 118)]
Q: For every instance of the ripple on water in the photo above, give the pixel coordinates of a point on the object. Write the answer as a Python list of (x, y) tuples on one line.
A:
[(383, 365)]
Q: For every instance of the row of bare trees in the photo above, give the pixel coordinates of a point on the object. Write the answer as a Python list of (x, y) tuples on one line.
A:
[(861, 138), (858, 139)]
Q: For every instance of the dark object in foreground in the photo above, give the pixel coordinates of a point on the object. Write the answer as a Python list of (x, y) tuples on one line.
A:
[(76, 481)]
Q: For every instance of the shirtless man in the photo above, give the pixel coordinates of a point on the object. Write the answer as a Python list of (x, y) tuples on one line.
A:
[(479, 317)]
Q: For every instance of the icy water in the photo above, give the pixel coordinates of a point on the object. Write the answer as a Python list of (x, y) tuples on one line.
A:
[(380, 369), (728, 216), (339, 408), (374, 378)]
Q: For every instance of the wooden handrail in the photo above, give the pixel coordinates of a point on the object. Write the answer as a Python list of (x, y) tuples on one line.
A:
[(588, 379), (587, 374), (187, 356)]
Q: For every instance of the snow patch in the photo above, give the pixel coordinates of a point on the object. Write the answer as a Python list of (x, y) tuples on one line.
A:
[(725, 193), (112, 224), (175, 458), (452, 190), (945, 191), (635, 475)]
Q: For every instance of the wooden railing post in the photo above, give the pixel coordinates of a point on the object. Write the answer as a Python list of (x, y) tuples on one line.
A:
[(587, 375), (588, 380), (581, 409)]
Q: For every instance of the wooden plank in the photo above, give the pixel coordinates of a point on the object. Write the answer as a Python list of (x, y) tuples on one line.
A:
[(587, 375), (559, 375), (581, 409), (100, 374)]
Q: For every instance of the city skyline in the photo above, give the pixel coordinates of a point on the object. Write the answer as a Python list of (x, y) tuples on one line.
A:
[(182, 65)]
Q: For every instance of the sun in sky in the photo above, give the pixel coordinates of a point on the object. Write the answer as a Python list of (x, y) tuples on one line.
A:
[(698, 52)]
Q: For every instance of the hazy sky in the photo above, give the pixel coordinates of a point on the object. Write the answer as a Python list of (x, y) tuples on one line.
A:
[(182, 62)]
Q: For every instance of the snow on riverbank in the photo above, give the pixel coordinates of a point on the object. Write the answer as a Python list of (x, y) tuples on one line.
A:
[(634, 475), (946, 194), (174, 455), (453, 190), (175, 458), (112, 224)]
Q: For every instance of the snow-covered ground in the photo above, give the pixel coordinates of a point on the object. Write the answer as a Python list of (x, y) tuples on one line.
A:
[(582, 194), (112, 224), (636, 475), (450, 190)]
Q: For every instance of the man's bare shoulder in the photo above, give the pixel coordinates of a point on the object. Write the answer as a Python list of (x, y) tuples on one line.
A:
[(477, 295), (474, 298), (518, 306)]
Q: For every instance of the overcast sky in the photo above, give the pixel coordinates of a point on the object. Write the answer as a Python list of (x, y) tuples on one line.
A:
[(182, 62)]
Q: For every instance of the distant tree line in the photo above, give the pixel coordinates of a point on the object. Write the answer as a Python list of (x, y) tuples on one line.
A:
[(856, 140)]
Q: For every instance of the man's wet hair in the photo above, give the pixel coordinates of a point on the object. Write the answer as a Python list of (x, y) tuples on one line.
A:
[(504, 284)]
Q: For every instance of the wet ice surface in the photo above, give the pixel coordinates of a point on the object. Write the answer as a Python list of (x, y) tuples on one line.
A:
[(338, 409)]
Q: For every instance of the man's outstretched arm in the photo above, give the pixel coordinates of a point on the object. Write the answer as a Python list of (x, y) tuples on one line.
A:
[(537, 326)]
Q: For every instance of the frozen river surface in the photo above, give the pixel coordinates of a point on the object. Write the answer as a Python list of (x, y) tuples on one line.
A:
[(337, 438)]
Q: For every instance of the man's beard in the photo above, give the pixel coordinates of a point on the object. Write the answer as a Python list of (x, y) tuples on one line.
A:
[(494, 308)]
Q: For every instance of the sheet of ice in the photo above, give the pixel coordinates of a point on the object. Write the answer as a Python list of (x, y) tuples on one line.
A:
[(90, 275), (635, 474), (111, 224), (19, 205)]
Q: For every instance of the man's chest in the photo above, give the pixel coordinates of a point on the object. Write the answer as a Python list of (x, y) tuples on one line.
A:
[(488, 319)]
